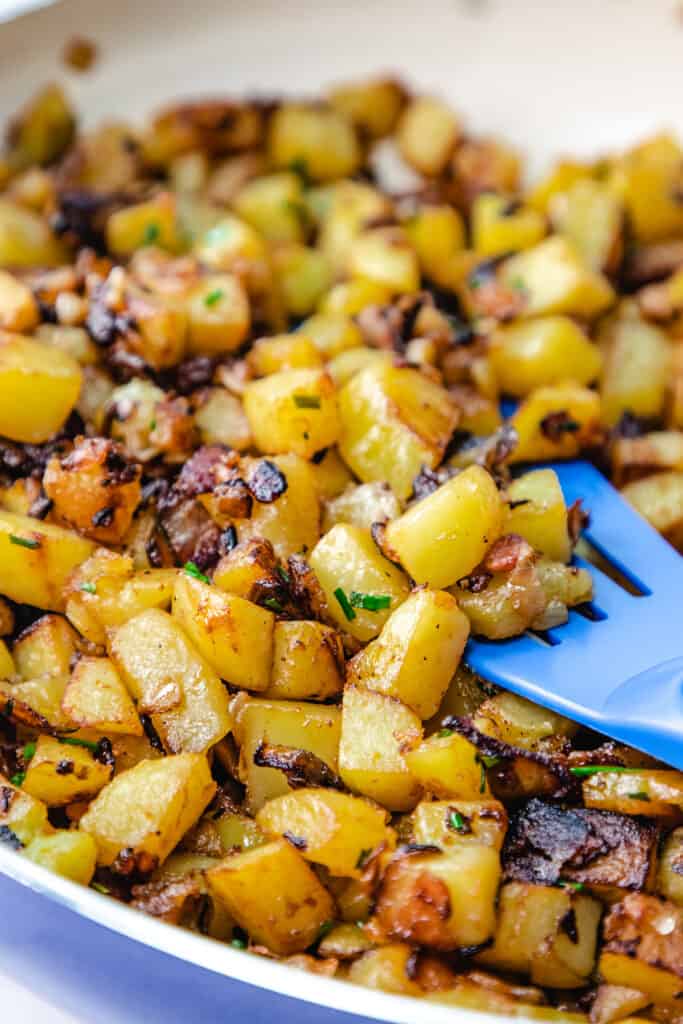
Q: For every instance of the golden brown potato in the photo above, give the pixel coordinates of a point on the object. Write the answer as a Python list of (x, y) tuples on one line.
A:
[(447, 765), (47, 647), (308, 662), (293, 411), (63, 773), (20, 813), (69, 854), (96, 698), (36, 560), (39, 386), (448, 824)]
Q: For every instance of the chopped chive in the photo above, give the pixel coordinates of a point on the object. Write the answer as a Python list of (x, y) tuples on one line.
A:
[(90, 588), (362, 858), (486, 761), (370, 602), (24, 542), (152, 425), (482, 777), (639, 796), (456, 821), (28, 752), (325, 929), (100, 888), (598, 769), (151, 234), (273, 604), (18, 778), (239, 943), (283, 574), (195, 572), (300, 166), (345, 604), (213, 297), (307, 401), (443, 733), (518, 285), (562, 883), (74, 741)]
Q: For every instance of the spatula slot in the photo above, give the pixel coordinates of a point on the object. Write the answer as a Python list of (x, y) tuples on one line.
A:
[(545, 639), (601, 560), (590, 611)]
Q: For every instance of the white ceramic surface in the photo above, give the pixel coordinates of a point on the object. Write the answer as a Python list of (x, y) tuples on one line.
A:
[(553, 76)]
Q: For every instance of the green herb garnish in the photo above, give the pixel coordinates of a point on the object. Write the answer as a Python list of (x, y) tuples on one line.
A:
[(639, 796), (28, 752), (561, 883), (195, 572), (345, 604), (151, 234), (152, 425), (307, 401), (100, 888), (370, 602), (362, 858), (18, 778), (456, 821), (74, 741), (283, 574), (24, 542), (517, 284), (599, 769), (300, 166), (273, 604), (486, 761), (239, 943), (213, 297), (443, 733), (90, 588), (325, 929)]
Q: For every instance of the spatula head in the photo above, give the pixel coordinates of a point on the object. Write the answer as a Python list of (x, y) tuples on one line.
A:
[(616, 666)]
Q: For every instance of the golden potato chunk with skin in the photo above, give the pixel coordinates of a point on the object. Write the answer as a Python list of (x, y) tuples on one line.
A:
[(426, 134), (327, 827), (36, 560), (450, 823), (308, 662), (46, 647), (385, 255), (233, 635), (39, 386), (71, 854), (372, 105), (501, 225), (317, 139), (549, 350), (441, 538), (283, 352), (520, 722), (637, 368), (374, 730), (18, 308), (63, 773), (21, 813), (448, 765), (274, 895), (218, 315), (387, 968), (647, 178), (26, 239), (95, 489), (96, 698), (537, 512), (554, 422), (551, 278), (169, 680), (143, 813), (652, 792), (38, 702), (417, 652), (294, 411)]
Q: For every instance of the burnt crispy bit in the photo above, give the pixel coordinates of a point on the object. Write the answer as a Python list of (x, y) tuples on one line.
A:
[(556, 424), (646, 929), (10, 838), (298, 842), (65, 767), (81, 217), (392, 326), (429, 480), (306, 590), (194, 373), (233, 498), (176, 901), (578, 519), (134, 864), (301, 767), (266, 482), (546, 844)]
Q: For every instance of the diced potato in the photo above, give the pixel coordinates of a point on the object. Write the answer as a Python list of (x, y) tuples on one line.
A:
[(348, 298), (560, 178), (549, 350), (347, 560), (510, 602), (151, 222), (332, 333), (448, 824), (427, 133), (448, 765), (345, 941), (7, 666), (651, 792), (21, 813), (43, 130), (238, 831), (37, 702), (532, 937), (283, 352), (312, 727), (331, 474), (222, 420), (567, 584), (362, 505), (555, 422), (616, 1002), (294, 411), (385, 255), (349, 207), (443, 537), (417, 652), (60, 773), (96, 698), (591, 216), (302, 275), (445, 902), (436, 233), (537, 512), (373, 731), (273, 204), (46, 647), (232, 245), (36, 560), (647, 178), (519, 722), (503, 226), (373, 105), (39, 387), (659, 499), (168, 679), (18, 308), (393, 422), (308, 662), (26, 239), (484, 165), (218, 315), (670, 876), (387, 968), (317, 139), (637, 366), (327, 827), (248, 570), (643, 942), (144, 812), (553, 279), (274, 895), (69, 854)]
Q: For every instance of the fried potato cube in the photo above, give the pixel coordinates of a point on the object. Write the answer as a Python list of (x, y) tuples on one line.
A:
[(18, 308), (659, 499), (443, 537), (388, 968), (591, 216), (670, 877), (218, 315), (331, 333), (7, 666), (647, 179), (343, 214), (317, 139), (36, 560), (362, 505), (347, 560), (233, 635), (169, 680), (393, 422), (26, 239), (372, 105), (20, 813), (144, 812), (95, 489), (426, 134), (61, 773), (448, 824), (302, 275), (96, 698), (436, 232), (221, 419), (69, 854), (501, 226), (327, 827), (273, 204), (331, 475), (308, 662), (651, 792), (520, 722), (555, 422), (637, 366), (39, 386), (442, 901), (151, 222), (448, 765), (553, 279), (299, 725), (374, 728), (294, 411), (386, 256), (37, 702), (549, 350), (417, 652), (537, 512), (644, 947), (274, 895), (617, 1002), (283, 352), (348, 298), (45, 648), (546, 932)]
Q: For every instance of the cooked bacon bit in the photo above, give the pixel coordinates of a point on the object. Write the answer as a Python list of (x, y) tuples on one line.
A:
[(475, 582), (104, 752), (647, 929), (135, 865), (301, 767), (556, 424), (506, 553), (392, 327), (81, 216), (578, 520), (266, 482), (194, 373), (175, 901), (233, 499), (80, 53), (306, 590)]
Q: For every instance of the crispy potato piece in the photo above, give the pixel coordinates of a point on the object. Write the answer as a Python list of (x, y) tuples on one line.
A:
[(283, 352), (520, 722), (294, 411), (46, 647), (233, 635), (20, 813), (427, 133), (373, 105), (448, 824), (374, 728), (169, 680), (60, 773), (385, 256), (7, 666), (36, 559), (218, 315), (647, 178), (26, 239), (537, 512), (591, 216), (328, 827), (659, 499), (388, 968), (362, 505), (18, 307), (652, 792), (151, 222), (96, 698), (552, 279), (308, 662), (417, 652), (500, 225), (69, 854), (37, 703), (554, 423), (39, 387), (318, 139), (547, 351), (447, 765), (644, 947), (221, 419), (637, 366)]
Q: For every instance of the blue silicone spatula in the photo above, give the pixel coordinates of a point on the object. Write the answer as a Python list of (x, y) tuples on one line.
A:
[(617, 666)]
